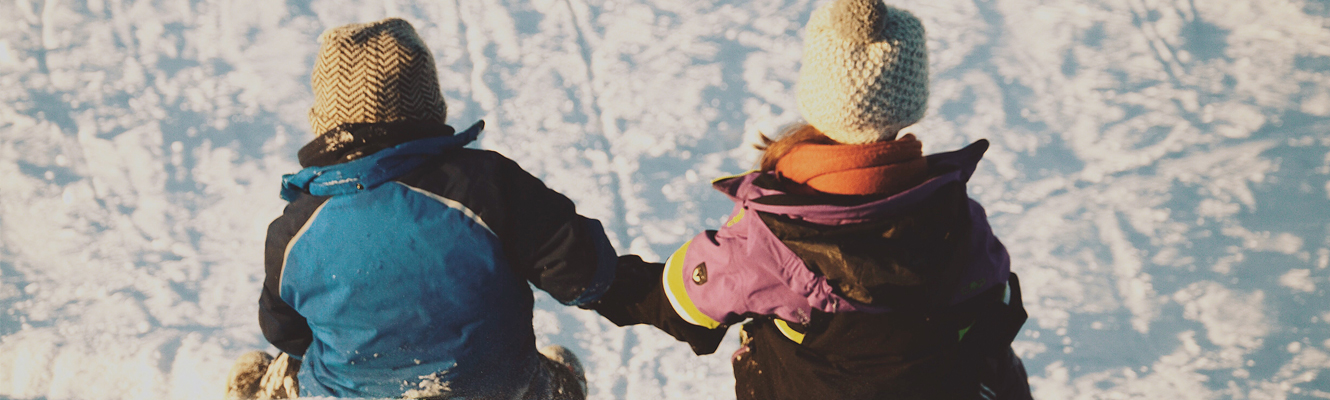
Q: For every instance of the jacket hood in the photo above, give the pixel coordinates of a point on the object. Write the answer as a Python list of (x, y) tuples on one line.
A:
[(372, 170), (943, 168)]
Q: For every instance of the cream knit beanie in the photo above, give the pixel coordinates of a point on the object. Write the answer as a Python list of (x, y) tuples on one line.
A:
[(865, 71), (375, 72)]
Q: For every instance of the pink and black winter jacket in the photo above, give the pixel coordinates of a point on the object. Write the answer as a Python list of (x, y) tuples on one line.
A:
[(908, 295)]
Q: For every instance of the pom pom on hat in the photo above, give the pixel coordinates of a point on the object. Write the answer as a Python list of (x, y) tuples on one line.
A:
[(865, 71), (376, 72)]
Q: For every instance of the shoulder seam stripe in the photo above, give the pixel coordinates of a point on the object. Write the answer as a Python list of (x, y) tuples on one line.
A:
[(453, 204), (281, 275)]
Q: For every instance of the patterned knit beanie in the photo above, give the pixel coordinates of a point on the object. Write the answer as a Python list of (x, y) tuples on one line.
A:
[(375, 72), (865, 71)]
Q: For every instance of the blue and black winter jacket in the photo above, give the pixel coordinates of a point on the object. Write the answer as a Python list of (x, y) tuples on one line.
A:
[(402, 262)]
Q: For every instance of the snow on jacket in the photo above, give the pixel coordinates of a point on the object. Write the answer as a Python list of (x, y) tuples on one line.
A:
[(402, 262)]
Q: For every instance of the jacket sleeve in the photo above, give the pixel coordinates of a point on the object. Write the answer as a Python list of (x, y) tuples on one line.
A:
[(548, 243), (569, 256), (723, 276), (638, 297), (282, 325)]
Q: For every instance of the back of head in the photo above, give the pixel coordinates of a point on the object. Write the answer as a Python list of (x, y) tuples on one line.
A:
[(375, 72), (865, 71)]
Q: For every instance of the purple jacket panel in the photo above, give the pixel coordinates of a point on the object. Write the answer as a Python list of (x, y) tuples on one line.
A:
[(749, 270), (990, 264)]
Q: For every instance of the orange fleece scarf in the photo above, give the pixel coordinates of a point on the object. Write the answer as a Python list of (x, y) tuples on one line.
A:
[(875, 168)]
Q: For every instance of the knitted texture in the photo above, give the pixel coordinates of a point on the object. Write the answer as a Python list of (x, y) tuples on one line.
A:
[(865, 71), (375, 72)]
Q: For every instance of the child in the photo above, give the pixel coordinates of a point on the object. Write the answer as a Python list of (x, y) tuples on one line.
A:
[(864, 269), (400, 266)]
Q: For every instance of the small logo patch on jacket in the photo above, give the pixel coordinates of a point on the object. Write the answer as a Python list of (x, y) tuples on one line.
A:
[(700, 274)]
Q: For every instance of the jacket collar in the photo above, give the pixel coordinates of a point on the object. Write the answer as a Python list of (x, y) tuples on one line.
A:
[(753, 190), (367, 171), (348, 142)]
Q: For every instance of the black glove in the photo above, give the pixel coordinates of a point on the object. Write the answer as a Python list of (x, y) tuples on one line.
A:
[(638, 297)]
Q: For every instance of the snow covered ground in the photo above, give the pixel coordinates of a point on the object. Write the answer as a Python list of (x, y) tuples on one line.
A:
[(1159, 173)]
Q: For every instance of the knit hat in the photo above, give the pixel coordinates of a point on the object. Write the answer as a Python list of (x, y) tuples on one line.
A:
[(375, 72), (865, 71)]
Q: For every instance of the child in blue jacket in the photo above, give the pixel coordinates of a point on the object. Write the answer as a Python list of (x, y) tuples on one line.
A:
[(400, 267)]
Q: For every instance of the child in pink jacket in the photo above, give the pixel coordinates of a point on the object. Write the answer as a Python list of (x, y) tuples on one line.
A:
[(861, 265)]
